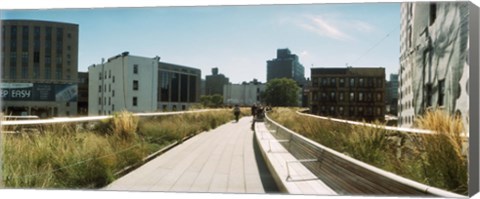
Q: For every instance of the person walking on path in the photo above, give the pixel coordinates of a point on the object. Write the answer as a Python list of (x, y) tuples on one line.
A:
[(236, 112), (254, 110)]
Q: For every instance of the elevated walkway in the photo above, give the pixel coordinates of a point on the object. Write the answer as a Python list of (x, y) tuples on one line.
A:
[(222, 160)]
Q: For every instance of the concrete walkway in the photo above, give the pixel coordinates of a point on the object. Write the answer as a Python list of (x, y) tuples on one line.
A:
[(223, 160)]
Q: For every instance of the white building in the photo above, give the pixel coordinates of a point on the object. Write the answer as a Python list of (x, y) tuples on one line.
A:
[(242, 94), (434, 68), (138, 84)]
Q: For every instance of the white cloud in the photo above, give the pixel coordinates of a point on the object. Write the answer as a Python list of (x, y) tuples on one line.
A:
[(363, 26), (324, 27), (332, 26)]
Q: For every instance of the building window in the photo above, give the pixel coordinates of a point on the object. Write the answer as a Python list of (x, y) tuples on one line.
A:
[(109, 101), (100, 76), (135, 69), (99, 101), (134, 101), (113, 79), (441, 92), (352, 96), (433, 12), (109, 87), (99, 88), (113, 107), (24, 72), (333, 82), (352, 82), (332, 96), (340, 96), (342, 82), (113, 93), (379, 97), (135, 85), (67, 104), (360, 96), (48, 72), (361, 82)]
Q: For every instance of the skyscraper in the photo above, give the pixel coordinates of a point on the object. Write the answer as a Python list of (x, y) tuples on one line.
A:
[(286, 65)]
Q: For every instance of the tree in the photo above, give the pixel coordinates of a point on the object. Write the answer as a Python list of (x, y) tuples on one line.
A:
[(281, 92), (211, 100)]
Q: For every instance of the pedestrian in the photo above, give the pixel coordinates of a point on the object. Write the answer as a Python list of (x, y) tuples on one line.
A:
[(254, 110), (236, 112)]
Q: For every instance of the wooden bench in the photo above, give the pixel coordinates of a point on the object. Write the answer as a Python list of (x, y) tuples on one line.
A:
[(289, 174)]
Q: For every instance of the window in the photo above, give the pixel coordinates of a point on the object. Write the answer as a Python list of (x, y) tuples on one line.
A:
[(135, 69), (109, 73), (379, 97), (113, 79), (361, 82), (109, 101), (441, 92), (100, 88), (99, 101), (340, 96), (352, 96), (429, 95), (67, 104), (333, 82), (360, 96), (332, 96), (100, 76), (135, 85), (109, 87), (352, 82), (433, 12), (113, 93), (113, 107), (342, 82), (134, 101)]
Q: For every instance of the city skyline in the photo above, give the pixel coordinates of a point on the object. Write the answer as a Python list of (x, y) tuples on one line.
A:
[(237, 39)]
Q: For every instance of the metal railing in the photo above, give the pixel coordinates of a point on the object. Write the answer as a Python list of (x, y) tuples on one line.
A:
[(346, 175), (390, 128), (90, 118)]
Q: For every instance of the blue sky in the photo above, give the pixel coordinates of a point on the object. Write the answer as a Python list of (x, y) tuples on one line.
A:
[(237, 39)]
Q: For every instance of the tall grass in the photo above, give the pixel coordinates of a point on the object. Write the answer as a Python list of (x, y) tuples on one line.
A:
[(444, 163), (436, 160), (67, 156)]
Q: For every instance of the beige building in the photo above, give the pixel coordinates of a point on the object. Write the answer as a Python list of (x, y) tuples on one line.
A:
[(39, 68)]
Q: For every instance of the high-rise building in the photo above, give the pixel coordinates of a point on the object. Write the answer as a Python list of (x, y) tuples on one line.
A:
[(434, 68), (141, 84), (39, 68), (286, 65), (349, 93), (214, 83)]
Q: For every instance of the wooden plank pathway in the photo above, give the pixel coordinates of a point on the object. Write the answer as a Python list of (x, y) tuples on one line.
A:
[(223, 160)]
